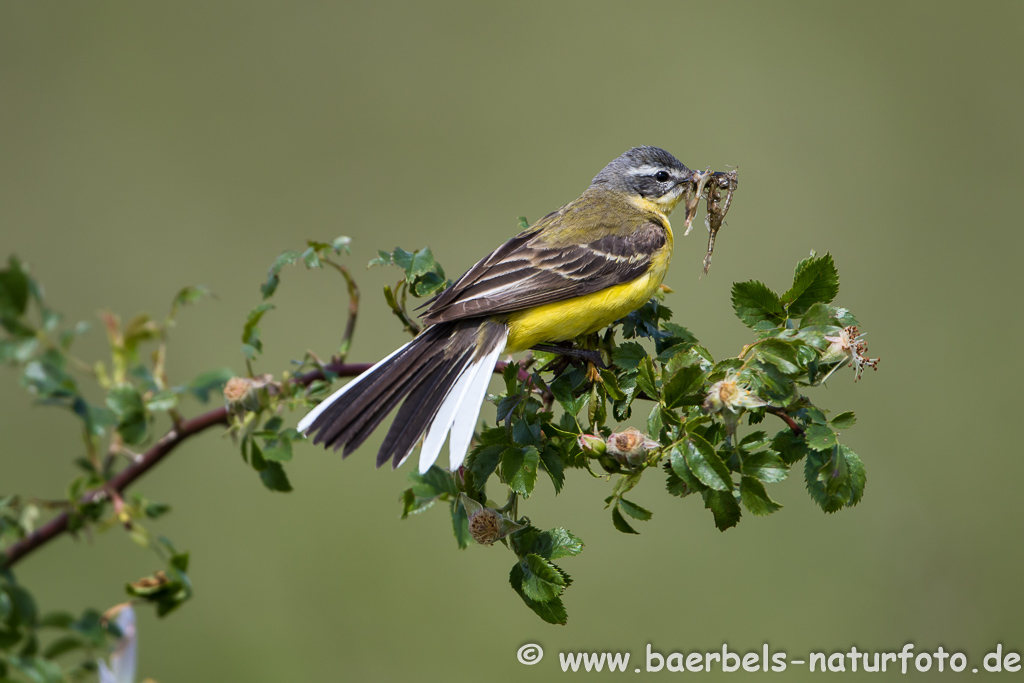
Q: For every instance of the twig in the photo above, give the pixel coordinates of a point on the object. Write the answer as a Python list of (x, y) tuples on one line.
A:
[(784, 416), (353, 307), (152, 457)]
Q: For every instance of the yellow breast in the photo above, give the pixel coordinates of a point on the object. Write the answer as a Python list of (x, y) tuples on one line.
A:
[(564, 320)]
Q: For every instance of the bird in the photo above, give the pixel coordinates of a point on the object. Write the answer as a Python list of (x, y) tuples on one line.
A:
[(572, 273)]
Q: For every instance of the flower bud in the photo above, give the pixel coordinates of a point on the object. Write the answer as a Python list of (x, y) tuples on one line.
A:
[(630, 446), (592, 444), (243, 393)]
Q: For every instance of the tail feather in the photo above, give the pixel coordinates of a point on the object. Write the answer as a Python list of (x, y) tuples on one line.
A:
[(440, 378), (388, 384)]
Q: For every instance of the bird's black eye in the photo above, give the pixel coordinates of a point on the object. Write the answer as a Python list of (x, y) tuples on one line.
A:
[(661, 176)]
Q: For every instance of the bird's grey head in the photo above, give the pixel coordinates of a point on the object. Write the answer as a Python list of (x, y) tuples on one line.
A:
[(649, 172)]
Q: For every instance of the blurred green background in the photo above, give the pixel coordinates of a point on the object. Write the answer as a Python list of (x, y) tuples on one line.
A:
[(146, 146)]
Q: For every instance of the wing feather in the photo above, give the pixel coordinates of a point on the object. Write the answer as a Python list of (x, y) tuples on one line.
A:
[(528, 271)]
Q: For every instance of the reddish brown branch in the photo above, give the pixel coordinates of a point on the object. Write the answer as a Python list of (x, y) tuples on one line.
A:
[(167, 443), (793, 425)]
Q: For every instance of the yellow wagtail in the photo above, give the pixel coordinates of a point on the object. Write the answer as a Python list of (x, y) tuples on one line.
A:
[(571, 273)]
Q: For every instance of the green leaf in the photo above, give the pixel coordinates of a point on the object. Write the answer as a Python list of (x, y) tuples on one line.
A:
[(484, 460), (556, 543), (162, 401), (816, 281), (834, 479), (781, 354), (677, 463), (209, 381), (126, 403), (674, 484), (858, 476), (14, 288), (270, 286), (620, 522), (250, 331), (705, 464), (755, 498), (683, 387), (422, 262), (279, 450), (645, 378), (765, 466), (274, 478), (460, 524), (843, 420), (311, 258), (432, 483), (724, 507), (821, 438), (790, 447), (634, 510), (628, 356), (552, 462), (563, 391), (542, 581), (519, 469), (62, 646), (552, 611), (754, 302)]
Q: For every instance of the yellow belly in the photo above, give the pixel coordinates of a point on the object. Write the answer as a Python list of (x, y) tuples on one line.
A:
[(564, 320)]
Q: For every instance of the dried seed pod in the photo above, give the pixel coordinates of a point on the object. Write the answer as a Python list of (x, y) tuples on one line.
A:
[(485, 526)]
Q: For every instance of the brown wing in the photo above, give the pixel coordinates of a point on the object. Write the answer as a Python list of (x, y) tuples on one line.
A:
[(530, 270)]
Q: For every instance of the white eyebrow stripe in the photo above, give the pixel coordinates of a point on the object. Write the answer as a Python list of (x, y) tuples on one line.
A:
[(646, 169)]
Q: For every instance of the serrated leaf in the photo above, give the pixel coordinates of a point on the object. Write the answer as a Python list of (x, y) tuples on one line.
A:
[(781, 354), (816, 280), (460, 524), (765, 466), (858, 476), (552, 611), (645, 378), (620, 522), (274, 477), (519, 469), (562, 390), (755, 498), (279, 450), (687, 382), (677, 462), (628, 356), (843, 420), (542, 582), (790, 447), (551, 460), (484, 460), (821, 438), (634, 510), (705, 464), (724, 507), (754, 302), (674, 484), (556, 543)]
